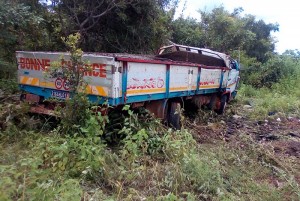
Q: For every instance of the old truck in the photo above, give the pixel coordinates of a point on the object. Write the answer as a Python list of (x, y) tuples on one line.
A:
[(162, 83)]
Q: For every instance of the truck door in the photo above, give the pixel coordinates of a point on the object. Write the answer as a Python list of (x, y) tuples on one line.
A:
[(233, 77)]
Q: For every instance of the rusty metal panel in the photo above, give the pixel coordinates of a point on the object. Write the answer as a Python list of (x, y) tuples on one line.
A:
[(158, 108), (145, 78)]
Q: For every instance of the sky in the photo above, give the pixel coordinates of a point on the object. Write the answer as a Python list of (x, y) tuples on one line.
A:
[(284, 12)]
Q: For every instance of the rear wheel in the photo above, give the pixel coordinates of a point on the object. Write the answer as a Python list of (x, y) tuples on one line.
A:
[(174, 115), (223, 103)]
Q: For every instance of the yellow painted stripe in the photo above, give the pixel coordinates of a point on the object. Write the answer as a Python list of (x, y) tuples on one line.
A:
[(209, 86), (142, 91), (35, 82), (178, 88), (47, 84), (182, 88), (23, 79), (231, 84), (29, 80), (96, 90)]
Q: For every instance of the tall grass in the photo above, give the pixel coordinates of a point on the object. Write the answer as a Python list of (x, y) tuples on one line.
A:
[(282, 97), (152, 163)]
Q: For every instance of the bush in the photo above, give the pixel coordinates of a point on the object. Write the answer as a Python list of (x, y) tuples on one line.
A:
[(275, 69), (9, 86), (282, 97)]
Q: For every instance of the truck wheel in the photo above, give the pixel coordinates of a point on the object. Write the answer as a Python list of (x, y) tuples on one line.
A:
[(223, 104), (174, 115), (212, 102)]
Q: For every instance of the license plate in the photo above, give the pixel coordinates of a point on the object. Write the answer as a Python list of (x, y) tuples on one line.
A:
[(59, 94), (31, 98)]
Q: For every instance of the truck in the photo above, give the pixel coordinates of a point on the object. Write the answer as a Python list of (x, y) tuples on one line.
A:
[(163, 83)]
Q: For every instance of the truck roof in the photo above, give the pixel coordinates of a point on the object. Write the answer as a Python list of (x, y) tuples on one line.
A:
[(195, 55)]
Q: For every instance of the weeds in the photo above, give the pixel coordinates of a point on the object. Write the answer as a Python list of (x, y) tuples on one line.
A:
[(281, 98), (8, 86), (153, 163), (148, 161)]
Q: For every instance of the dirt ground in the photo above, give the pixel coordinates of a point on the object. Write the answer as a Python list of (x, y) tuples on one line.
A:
[(280, 136)]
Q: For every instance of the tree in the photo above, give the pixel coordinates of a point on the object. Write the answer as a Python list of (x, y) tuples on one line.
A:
[(135, 26), (263, 43), (141, 27), (224, 31), (16, 23), (188, 32), (83, 15)]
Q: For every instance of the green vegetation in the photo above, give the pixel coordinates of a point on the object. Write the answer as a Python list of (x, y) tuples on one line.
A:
[(151, 163), (278, 81), (87, 155), (77, 160)]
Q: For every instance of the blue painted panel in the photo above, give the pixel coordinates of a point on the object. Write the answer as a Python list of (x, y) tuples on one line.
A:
[(46, 92), (101, 100), (37, 90), (178, 94), (198, 80), (167, 81), (208, 91), (124, 82), (141, 98)]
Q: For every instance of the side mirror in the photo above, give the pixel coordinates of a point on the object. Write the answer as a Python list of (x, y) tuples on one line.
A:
[(235, 65)]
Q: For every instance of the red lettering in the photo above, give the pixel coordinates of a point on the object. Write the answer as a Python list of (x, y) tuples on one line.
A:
[(22, 62), (46, 63), (39, 63), (27, 63), (98, 70), (102, 70), (65, 63), (207, 83), (88, 73), (95, 70), (34, 64)]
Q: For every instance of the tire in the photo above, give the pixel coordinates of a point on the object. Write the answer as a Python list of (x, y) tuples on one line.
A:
[(174, 115), (223, 104), (212, 103)]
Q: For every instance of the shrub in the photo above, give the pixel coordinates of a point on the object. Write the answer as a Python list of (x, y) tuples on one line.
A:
[(8, 86), (275, 69)]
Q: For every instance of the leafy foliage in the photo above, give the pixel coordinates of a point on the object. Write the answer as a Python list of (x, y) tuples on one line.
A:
[(273, 71), (53, 166), (188, 32), (150, 161), (85, 118), (226, 32), (24, 25)]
